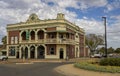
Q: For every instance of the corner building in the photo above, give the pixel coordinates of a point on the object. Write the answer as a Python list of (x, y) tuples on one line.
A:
[(45, 39)]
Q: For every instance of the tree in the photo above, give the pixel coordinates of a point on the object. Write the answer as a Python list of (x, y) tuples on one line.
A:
[(4, 40), (93, 41), (117, 50), (110, 50), (102, 50)]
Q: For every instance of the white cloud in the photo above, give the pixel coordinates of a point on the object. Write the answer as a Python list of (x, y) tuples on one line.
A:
[(109, 7), (3, 4), (91, 26), (115, 17), (113, 5), (78, 4), (84, 4)]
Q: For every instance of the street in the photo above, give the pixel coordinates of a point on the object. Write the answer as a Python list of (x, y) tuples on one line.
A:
[(36, 69)]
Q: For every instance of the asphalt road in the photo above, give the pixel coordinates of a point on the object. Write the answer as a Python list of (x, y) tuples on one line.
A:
[(36, 69)]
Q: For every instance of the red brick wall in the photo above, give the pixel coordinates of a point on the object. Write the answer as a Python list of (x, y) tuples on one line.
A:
[(51, 29), (81, 39), (13, 34), (51, 46), (81, 51), (70, 51)]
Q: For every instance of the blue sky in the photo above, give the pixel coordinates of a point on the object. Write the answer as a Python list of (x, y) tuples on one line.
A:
[(87, 14)]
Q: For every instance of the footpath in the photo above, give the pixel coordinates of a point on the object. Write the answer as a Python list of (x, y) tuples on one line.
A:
[(29, 61), (70, 70)]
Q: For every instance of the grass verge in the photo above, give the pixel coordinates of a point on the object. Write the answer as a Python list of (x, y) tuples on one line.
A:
[(95, 67)]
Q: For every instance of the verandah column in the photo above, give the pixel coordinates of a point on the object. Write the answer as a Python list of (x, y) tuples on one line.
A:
[(20, 54), (36, 37), (36, 52), (28, 52)]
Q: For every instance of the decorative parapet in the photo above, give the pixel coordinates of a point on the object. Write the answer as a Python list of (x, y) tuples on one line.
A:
[(60, 16), (33, 18)]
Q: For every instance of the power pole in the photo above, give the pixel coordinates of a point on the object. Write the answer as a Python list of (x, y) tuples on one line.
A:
[(104, 18)]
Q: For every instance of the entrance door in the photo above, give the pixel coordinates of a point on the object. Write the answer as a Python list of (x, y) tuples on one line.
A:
[(41, 52), (32, 52), (61, 53), (17, 56)]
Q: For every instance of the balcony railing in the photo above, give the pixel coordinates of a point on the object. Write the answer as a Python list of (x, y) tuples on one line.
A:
[(50, 41)]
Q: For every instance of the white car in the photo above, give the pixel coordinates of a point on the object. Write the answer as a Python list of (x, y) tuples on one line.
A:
[(96, 56), (3, 58)]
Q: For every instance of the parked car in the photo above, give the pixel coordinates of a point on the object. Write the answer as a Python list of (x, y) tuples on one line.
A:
[(3, 58), (96, 56)]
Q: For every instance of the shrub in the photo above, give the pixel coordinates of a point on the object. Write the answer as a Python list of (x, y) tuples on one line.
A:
[(110, 61)]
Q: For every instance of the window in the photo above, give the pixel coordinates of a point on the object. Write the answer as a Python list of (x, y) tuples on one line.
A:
[(12, 52), (52, 52), (12, 40), (61, 36), (67, 36), (16, 39), (51, 36)]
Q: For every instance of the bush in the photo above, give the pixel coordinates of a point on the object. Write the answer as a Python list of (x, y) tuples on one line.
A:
[(94, 67), (110, 62)]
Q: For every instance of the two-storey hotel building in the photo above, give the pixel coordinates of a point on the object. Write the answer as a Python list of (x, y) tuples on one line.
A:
[(45, 39)]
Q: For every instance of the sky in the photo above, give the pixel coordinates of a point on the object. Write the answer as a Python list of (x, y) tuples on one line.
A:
[(87, 14)]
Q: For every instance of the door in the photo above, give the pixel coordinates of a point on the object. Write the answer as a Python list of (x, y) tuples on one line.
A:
[(61, 53), (41, 52)]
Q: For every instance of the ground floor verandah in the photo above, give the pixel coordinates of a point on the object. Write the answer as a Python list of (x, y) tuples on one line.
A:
[(50, 51)]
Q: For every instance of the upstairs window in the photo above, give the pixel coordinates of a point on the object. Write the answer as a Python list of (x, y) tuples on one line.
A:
[(61, 36), (52, 36), (12, 40), (16, 39)]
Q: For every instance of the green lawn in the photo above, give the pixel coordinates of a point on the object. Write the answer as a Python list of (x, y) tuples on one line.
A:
[(97, 67)]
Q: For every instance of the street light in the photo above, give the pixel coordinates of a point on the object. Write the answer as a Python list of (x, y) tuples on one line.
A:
[(104, 18)]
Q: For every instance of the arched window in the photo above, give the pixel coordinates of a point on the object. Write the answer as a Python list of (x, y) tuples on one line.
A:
[(40, 34), (23, 35), (32, 35)]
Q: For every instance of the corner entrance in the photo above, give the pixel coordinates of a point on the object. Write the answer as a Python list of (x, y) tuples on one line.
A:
[(41, 52), (61, 53)]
